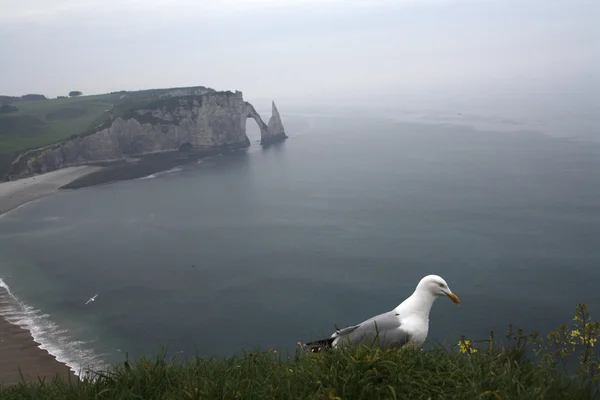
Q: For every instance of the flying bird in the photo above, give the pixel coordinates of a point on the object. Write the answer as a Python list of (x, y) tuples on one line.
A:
[(92, 298), (407, 324)]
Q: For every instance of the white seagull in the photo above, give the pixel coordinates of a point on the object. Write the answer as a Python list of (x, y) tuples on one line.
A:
[(406, 324), (92, 298)]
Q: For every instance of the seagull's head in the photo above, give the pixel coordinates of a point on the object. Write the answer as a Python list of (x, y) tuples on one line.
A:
[(437, 286)]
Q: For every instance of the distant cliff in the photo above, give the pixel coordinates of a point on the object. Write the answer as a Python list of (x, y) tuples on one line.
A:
[(203, 120)]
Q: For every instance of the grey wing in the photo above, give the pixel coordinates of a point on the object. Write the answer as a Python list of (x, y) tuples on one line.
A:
[(383, 330)]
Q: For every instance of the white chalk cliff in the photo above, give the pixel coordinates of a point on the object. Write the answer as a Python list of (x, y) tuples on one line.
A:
[(214, 120)]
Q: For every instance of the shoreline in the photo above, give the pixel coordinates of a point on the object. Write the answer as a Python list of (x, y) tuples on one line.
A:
[(14, 194), (18, 350), (20, 353)]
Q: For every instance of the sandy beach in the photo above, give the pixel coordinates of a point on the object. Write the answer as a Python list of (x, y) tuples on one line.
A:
[(16, 193), (19, 350)]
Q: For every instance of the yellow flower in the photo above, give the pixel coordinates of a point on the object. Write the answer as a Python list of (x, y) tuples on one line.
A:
[(575, 333), (466, 346)]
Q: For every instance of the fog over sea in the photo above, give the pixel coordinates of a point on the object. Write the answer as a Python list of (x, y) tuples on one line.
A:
[(262, 248)]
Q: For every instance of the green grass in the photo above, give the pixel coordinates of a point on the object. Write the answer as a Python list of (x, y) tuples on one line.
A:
[(353, 373), (40, 123), (562, 365)]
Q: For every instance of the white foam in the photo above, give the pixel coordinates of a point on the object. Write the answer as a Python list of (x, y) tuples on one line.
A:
[(76, 354), (156, 175), (172, 170)]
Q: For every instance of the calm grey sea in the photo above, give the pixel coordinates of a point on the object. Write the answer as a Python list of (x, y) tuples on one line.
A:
[(267, 247)]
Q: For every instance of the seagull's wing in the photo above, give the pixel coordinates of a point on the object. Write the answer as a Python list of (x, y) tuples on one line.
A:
[(92, 298), (384, 330)]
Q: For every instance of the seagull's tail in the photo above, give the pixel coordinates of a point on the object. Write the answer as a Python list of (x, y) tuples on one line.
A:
[(320, 345)]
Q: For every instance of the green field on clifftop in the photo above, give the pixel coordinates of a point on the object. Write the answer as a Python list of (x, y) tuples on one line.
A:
[(40, 123), (43, 122)]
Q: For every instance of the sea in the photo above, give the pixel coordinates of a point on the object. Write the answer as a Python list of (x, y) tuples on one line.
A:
[(262, 248)]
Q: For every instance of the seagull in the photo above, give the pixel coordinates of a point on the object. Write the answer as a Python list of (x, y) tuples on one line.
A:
[(92, 298), (406, 324)]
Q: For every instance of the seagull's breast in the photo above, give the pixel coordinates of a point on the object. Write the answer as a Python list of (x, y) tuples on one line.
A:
[(417, 327)]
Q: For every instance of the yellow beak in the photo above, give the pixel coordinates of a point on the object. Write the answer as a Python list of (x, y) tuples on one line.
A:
[(454, 298)]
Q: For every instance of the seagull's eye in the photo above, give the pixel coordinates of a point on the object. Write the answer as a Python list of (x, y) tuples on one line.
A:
[(441, 284)]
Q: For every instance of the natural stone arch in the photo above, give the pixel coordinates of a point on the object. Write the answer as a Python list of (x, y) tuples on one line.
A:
[(273, 132)]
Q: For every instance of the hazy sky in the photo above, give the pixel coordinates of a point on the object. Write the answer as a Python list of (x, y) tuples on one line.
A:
[(303, 48)]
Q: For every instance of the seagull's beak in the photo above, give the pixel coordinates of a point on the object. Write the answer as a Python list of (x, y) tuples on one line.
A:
[(453, 297)]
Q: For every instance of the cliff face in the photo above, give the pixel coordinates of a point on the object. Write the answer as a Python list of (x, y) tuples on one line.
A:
[(197, 121)]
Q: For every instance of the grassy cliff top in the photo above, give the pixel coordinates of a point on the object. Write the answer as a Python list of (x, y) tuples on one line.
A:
[(356, 373), (29, 124), (39, 123)]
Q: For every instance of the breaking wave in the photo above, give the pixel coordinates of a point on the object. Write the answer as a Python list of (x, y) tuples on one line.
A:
[(156, 175), (77, 355)]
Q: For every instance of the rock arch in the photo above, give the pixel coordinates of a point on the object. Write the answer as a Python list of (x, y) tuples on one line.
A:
[(271, 133)]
